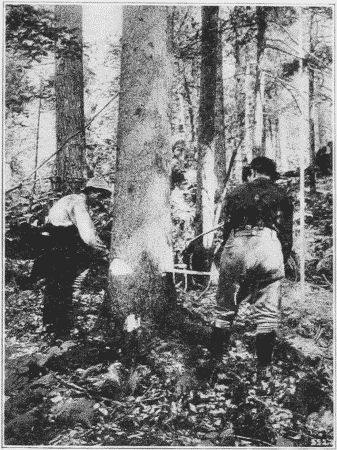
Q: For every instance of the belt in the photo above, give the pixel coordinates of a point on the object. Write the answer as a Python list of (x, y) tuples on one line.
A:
[(249, 230)]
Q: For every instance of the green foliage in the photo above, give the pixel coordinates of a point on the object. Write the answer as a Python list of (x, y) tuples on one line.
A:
[(30, 31), (101, 156), (68, 44), (242, 25), (284, 16), (29, 209), (19, 90), (322, 56), (186, 34), (31, 37), (318, 231)]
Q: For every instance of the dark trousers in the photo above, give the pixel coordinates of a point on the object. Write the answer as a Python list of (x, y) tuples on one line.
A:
[(65, 257), (58, 293)]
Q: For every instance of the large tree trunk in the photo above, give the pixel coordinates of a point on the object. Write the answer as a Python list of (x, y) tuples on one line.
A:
[(140, 274), (206, 178), (70, 166)]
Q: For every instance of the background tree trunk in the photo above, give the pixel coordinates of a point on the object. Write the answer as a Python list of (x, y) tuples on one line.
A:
[(261, 23), (141, 249), (250, 105), (37, 138), (278, 155), (238, 153), (219, 122), (70, 166), (305, 141), (206, 178), (312, 152)]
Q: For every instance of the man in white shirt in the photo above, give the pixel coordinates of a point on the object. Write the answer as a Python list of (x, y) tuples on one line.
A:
[(72, 233)]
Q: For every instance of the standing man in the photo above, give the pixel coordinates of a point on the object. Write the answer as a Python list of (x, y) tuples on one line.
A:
[(257, 242), (74, 241)]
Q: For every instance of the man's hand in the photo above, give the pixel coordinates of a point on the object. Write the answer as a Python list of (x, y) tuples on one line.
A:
[(100, 255), (106, 253), (101, 250)]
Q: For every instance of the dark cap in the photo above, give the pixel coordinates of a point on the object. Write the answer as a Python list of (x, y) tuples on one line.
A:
[(264, 165)]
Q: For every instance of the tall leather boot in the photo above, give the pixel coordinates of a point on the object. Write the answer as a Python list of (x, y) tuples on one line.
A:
[(264, 348), (219, 341)]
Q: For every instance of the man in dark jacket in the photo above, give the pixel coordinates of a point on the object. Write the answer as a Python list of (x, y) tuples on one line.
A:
[(73, 243), (257, 242)]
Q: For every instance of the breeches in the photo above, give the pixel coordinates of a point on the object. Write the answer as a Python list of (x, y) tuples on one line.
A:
[(62, 245), (251, 268), (58, 291), (61, 265)]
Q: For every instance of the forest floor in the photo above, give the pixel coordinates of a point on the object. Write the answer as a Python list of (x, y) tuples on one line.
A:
[(79, 392), (82, 391)]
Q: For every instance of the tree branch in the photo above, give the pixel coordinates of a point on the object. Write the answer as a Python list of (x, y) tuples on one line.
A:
[(297, 44), (62, 146)]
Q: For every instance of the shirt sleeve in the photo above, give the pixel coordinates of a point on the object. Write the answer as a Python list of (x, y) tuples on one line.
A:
[(85, 226), (227, 220), (286, 229)]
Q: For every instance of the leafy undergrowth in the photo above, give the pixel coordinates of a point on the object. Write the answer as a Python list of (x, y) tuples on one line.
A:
[(318, 231), (172, 393), (85, 391)]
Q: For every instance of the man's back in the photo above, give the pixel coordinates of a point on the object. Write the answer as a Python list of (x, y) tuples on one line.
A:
[(72, 210), (257, 241), (61, 214), (260, 203), (254, 201)]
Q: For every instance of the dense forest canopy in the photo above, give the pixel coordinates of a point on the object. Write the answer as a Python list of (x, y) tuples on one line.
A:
[(265, 45)]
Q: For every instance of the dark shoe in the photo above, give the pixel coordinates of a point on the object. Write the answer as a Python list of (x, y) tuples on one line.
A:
[(264, 348), (263, 373), (48, 329), (219, 341)]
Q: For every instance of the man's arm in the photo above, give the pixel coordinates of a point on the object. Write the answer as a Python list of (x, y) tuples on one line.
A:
[(85, 226), (286, 235), (227, 221)]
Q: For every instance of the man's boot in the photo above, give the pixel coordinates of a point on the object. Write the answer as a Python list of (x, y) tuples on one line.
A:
[(219, 341), (264, 348)]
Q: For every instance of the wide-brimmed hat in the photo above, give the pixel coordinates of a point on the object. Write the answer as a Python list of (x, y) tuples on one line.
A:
[(98, 183)]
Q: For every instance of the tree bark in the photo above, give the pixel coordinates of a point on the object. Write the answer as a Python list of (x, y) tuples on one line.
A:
[(140, 273), (305, 142), (278, 156), (250, 105), (206, 178), (37, 138), (188, 98), (239, 107), (219, 122), (261, 23), (70, 170), (311, 74)]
